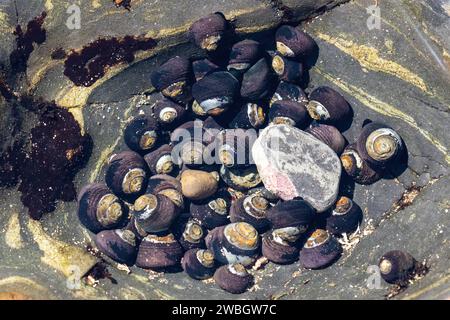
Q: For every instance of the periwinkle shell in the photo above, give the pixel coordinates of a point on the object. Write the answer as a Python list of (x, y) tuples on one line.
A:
[(142, 133), (233, 147), (329, 135), (168, 113), (397, 266), (198, 264), (291, 213), (189, 232), (203, 67), (345, 217), (278, 250), (160, 160), (329, 106), (289, 91), (119, 245), (289, 112), (320, 250), (168, 186), (357, 168), (250, 116), (287, 69), (212, 212), (209, 32), (251, 209), (159, 252), (292, 42), (257, 81), (244, 54), (233, 278), (240, 178), (154, 213)]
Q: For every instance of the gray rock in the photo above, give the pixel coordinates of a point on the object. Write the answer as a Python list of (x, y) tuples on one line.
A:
[(293, 164)]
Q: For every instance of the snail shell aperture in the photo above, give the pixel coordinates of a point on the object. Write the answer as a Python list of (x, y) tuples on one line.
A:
[(141, 133), (329, 106), (357, 168), (277, 250)]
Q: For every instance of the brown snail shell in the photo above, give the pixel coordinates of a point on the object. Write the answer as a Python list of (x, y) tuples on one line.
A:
[(250, 116), (291, 213), (168, 113), (234, 243), (100, 209), (292, 42), (233, 278), (159, 252), (328, 135), (278, 250), (397, 266), (119, 245), (127, 175), (189, 232), (198, 185), (203, 67), (142, 134), (320, 250), (154, 213), (257, 81), (287, 69), (160, 160), (215, 93), (251, 209), (289, 91), (212, 212), (345, 217), (244, 54), (240, 178), (209, 32), (357, 168), (173, 79), (379, 145), (329, 106), (289, 112), (198, 263)]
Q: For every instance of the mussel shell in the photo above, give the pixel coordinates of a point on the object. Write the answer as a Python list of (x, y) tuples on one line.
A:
[(244, 54), (291, 213), (289, 91), (212, 212), (233, 278), (240, 178), (173, 79), (251, 209), (160, 160), (203, 67), (329, 106), (154, 213), (216, 92), (250, 116), (119, 245), (320, 250), (168, 113), (329, 135), (378, 153), (189, 232), (292, 42), (198, 263), (287, 69), (289, 112), (159, 252), (99, 209), (234, 243), (142, 134), (278, 251), (397, 266), (209, 32), (345, 217), (198, 185), (127, 175), (257, 81), (357, 168)]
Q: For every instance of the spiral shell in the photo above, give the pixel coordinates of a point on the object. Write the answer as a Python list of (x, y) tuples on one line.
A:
[(168, 113), (244, 54), (203, 67), (292, 42), (233, 278), (289, 91), (320, 250), (329, 106), (278, 250), (345, 217), (291, 213), (397, 266), (212, 212), (289, 112), (257, 81), (287, 69), (198, 264), (160, 160), (251, 209), (189, 232), (159, 252), (328, 135), (119, 245), (357, 168), (154, 213), (250, 116), (142, 134), (240, 178), (198, 185), (209, 32)]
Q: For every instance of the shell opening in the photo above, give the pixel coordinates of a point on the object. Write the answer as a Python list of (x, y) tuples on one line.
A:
[(164, 165), (175, 89), (317, 238), (317, 111), (343, 206), (278, 65), (383, 144), (109, 210), (283, 120), (219, 206), (284, 49), (205, 257), (193, 232), (351, 159), (133, 181), (168, 114), (255, 115), (385, 266), (256, 206), (173, 195), (241, 234), (148, 140), (285, 236)]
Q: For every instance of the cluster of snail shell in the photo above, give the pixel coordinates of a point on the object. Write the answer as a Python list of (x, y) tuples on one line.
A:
[(215, 221)]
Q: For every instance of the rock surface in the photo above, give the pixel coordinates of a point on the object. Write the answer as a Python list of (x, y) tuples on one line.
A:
[(293, 164)]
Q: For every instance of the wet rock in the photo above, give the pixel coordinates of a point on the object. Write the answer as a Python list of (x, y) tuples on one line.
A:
[(294, 164)]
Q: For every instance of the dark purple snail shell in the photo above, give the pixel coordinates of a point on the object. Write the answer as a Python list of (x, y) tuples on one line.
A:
[(233, 278), (289, 112), (168, 186), (99, 209), (292, 42), (189, 232), (209, 32), (320, 250), (173, 79), (262, 191), (142, 133), (329, 135), (233, 147), (168, 113), (198, 263), (119, 245), (397, 266), (139, 233), (379, 145), (244, 54), (257, 81), (159, 252), (212, 212), (287, 70), (251, 209), (154, 213), (240, 178), (203, 67), (250, 116), (234, 243), (291, 213), (190, 142), (345, 217), (127, 175), (357, 168), (160, 160), (279, 252), (329, 106), (289, 91), (216, 92)]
